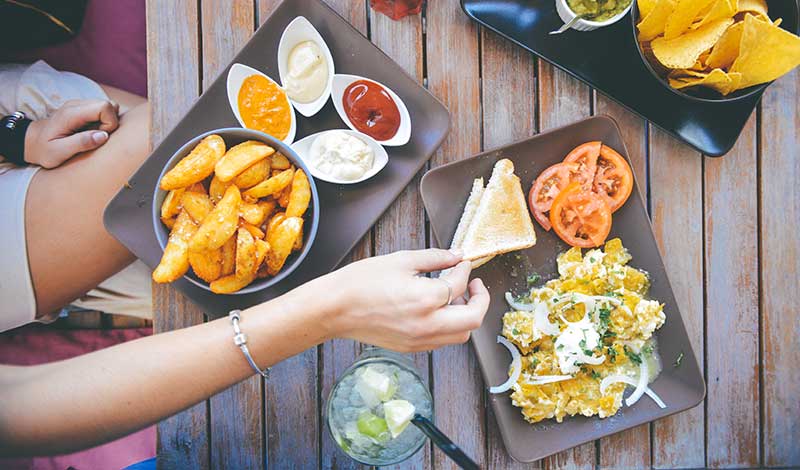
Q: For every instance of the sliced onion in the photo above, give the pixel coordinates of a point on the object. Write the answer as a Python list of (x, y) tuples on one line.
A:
[(612, 379), (542, 321), (516, 365), (641, 386), (548, 379), (590, 359), (519, 306)]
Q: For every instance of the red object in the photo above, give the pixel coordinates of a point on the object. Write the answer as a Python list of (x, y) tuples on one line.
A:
[(371, 109), (396, 9)]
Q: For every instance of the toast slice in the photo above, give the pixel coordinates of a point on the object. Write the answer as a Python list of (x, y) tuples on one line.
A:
[(470, 208), (501, 222)]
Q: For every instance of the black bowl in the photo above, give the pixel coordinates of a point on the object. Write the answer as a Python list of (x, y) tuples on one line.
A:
[(786, 9), (233, 136)]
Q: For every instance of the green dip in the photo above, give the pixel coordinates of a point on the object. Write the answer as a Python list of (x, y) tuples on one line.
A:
[(598, 10)]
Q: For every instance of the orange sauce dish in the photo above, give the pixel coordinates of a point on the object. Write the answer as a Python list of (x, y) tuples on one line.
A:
[(263, 106)]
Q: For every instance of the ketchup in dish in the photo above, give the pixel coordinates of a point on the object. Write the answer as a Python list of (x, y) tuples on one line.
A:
[(371, 109)]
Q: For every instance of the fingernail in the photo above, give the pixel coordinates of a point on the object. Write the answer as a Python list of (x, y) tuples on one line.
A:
[(457, 252), (99, 137)]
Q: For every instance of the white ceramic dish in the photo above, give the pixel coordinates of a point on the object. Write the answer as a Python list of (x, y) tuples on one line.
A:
[(301, 30), (566, 14), (236, 76), (303, 147), (342, 81)]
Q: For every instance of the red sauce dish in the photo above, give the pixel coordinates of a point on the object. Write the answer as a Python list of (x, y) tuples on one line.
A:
[(371, 109)]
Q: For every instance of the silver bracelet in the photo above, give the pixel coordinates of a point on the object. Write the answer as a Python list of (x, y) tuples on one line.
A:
[(240, 340)]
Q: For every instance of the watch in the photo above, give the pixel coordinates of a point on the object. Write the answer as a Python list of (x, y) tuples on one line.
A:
[(12, 137)]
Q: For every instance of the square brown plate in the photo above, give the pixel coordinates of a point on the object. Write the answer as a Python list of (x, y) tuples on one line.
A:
[(444, 192), (346, 211)]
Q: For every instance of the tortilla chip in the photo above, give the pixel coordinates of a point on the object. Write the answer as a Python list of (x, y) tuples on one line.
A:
[(652, 25), (727, 48), (756, 7), (766, 52), (720, 10), (683, 51), (645, 7), (686, 11), (718, 80)]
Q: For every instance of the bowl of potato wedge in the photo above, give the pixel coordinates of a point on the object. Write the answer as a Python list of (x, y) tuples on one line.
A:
[(235, 211)]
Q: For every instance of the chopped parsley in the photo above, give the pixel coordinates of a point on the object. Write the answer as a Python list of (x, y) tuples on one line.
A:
[(560, 347), (609, 334), (605, 317), (679, 359), (634, 357), (533, 279), (612, 294), (647, 349), (591, 259), (595, 375), (612, 355), (514, 331)]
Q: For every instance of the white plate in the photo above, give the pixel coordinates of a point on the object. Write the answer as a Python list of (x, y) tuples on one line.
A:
[(340, 84), (236, 76), (381, 158), (301, 30)]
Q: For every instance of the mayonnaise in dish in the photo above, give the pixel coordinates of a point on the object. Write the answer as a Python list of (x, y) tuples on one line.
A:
[(308, 72), (341, 155)]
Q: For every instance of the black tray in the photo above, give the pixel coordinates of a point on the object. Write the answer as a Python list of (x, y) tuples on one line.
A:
[(608, 60), (347, 212)]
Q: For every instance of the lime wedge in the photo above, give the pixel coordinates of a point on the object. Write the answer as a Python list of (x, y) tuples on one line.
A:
[(373, 426), (375, 387), (398, 414)]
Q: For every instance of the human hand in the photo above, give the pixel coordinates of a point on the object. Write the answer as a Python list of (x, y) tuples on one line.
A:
[(384, 301), (52, 141)]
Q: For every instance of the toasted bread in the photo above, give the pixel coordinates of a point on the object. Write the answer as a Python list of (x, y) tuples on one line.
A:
[(501, 222), (470, 208)]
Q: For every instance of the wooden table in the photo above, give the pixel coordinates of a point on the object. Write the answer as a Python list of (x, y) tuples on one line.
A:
[(728, 228)]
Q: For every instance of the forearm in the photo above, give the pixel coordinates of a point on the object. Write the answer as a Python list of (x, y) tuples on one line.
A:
[(72, 404)]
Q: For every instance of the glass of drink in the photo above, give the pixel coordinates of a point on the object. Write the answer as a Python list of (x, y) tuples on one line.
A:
[(371, 405)]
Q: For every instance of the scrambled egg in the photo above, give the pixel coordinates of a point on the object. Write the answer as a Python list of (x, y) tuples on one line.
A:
[(593, 321)]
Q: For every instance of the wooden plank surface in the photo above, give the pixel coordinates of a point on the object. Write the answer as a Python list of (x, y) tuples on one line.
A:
[(731, 272), (780, 271), (508, 77), (173, 83), (454, 77), (562, 100), (402, 227), (727, 228), (678, 441), (235, 414), (631, 448)]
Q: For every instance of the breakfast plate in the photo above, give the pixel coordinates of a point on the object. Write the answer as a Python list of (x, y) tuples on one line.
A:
[(444, 191), (346, 212), (609, 60)]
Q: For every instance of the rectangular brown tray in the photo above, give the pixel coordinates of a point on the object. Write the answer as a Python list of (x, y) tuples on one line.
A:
[(444, 191), (347, 212)]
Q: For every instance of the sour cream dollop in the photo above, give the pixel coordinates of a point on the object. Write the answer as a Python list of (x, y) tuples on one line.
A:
[(308, 72), (341, 155), (575, 346)]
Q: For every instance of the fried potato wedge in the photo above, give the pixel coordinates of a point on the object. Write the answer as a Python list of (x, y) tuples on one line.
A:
[(281, 241), (254, 174), (299, 196), (273, 185), (198, 205), (275, 221), (216, 189), (245, 255), (229, 284), (262, 248), (240, 158), (229, 256), (196, 166), (197, 188), (280, 162), (172, 203), (206, 264), (283, 197), (254, 231), (254, 213), (169, 223), (175, 260), (220, 224)]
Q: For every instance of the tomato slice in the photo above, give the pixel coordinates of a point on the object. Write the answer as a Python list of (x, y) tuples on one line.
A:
[(547, 186), (580, 217), (586, 156), (613, 179)]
